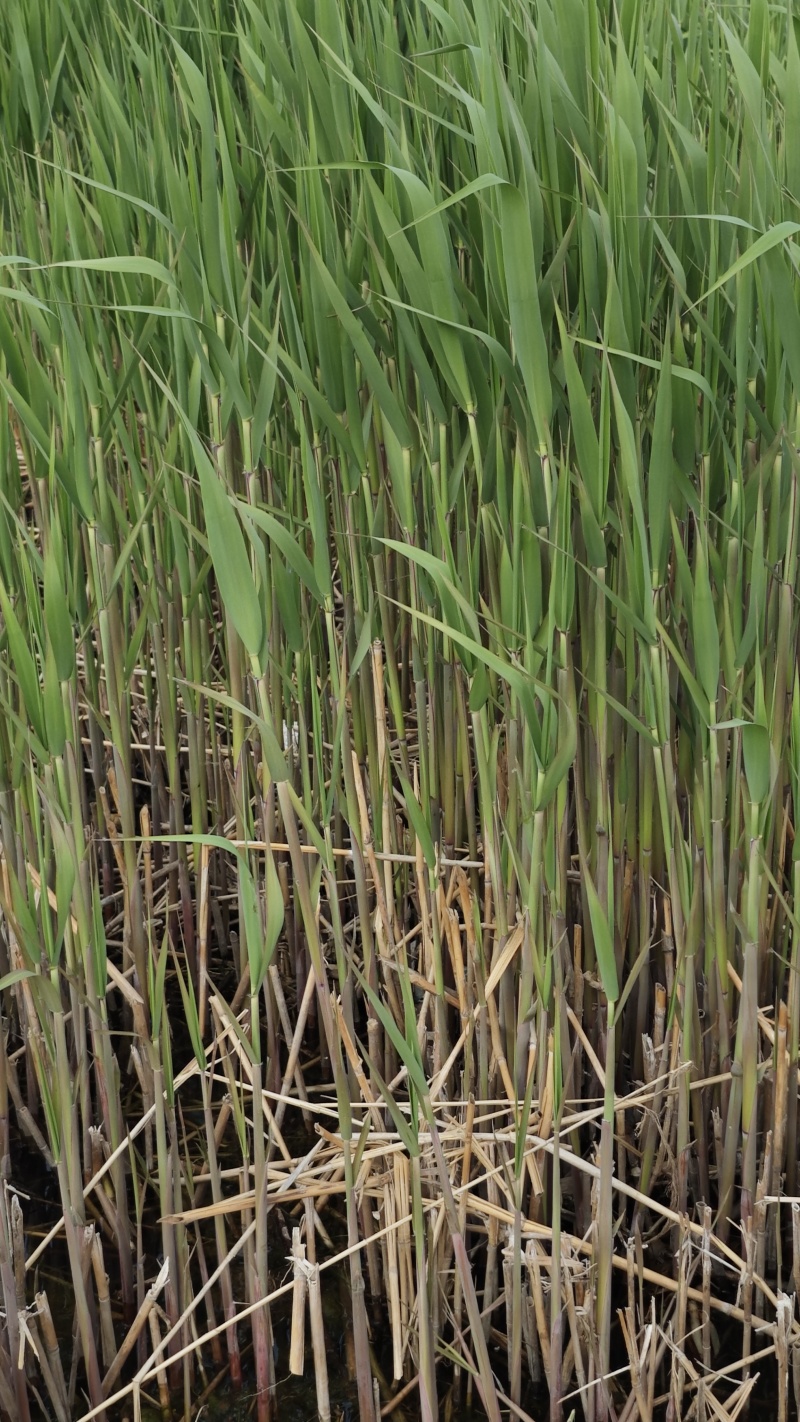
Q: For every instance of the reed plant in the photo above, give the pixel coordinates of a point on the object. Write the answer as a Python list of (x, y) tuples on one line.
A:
[(400, 719)]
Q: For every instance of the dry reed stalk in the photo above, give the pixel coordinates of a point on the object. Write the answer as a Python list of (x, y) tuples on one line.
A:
[(299, 1293), (508, 1256), (782, 1331), (557, 1362), (780, 1102), (654, 1354), (17, 1251), (104, 1302), (42, 1355), (84, 1317), (706, 1259), (360, 1328), (248, 1227), (228, 1306), (293, 1071), (425, 1336), (592, 1356), (227, 1035), (135, 1330), (749, 1240), (545, 1127), (53, 1351), (211, 1317), (668, 1127), (630, 1256), (635, 1360), (567, 1367), (392, 1276), (367, 1094), (532, 1258), (317, 1322), (760, 1219), (365, 1192), (567, 1266), (675, 1407), (490, 1292), (100, 1196), (384, 928), (160, 1372), (529, 1333), (622, 1145), (262, 1325), (466, 1168)]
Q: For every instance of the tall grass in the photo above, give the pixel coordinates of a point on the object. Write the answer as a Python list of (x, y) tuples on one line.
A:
[(400, 717)]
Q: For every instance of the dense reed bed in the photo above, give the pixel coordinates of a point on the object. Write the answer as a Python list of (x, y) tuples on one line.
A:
[(400, 732)]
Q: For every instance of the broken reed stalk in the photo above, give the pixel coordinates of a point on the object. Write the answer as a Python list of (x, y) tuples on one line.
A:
[(318, 1346)]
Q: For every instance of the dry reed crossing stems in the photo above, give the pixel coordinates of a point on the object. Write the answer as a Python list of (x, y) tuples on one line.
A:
[(399, 721)]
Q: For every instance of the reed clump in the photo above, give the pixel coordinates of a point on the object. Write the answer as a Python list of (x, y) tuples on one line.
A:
[(399, 712)]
